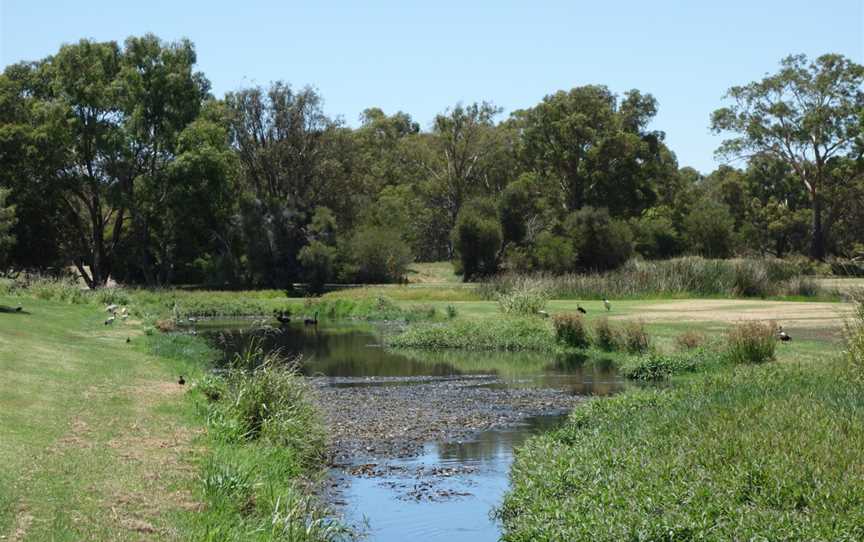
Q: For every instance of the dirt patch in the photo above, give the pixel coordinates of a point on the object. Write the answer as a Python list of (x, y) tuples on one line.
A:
[(22, 523), (789, 314)]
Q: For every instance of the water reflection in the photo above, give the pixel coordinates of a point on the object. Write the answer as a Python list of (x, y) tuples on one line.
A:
[(355, 351)]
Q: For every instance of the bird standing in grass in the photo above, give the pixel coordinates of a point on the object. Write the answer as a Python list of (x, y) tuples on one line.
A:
[(112, 308), (19, 308), (607, 304), (109, 321), (782, 335), (580, 309), (182, 380)]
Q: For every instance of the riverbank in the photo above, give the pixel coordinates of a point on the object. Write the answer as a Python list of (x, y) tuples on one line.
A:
[(733, 454), (99, 441)]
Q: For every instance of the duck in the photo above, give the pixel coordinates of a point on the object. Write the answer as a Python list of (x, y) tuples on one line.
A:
[(782, 335), (312, 321), (580, 309), (128, 340), (182, 380)]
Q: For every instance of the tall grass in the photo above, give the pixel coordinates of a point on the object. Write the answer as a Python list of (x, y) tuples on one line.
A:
[(526, 296), (855, 337), (570, 330), (751, 342), (499, 334), (691, 275)]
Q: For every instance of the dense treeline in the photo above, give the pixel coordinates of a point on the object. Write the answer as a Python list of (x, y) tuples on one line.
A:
[(120, 161)]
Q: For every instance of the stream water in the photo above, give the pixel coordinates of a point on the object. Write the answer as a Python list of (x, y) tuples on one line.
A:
[(446, 489)]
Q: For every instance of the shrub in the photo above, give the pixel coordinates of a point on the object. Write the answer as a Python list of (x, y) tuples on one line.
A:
[(319, 262), (635, 338), (477, 240), (802, 286), (752, 342), (855, 336), (377, 255), (605, 336), (690, 339), (526, 297), (554, 253), (750, 280), (451, 311), (601, 242), (709, 229), (570, 329), (165, 325)]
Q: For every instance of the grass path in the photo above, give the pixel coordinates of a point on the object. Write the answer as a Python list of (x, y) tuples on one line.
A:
[(94, 441)]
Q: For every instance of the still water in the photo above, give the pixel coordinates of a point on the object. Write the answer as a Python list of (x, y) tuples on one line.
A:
[(461, 482)]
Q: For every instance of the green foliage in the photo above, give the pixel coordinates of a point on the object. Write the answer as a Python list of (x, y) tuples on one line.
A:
[(752, 342), (634, 338), (319, 262), (571, 330), (527, 297), (740, 454), (690, 340), (606, 337), (377, 255), (655, 234), (600, 242), (709, 229), (855, 337), (477, 241), (655, 366), (554, 253), (496, 334), (7, 220)]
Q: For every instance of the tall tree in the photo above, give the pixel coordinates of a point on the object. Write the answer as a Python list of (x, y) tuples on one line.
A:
[(807, 115), (596, 149), (7, 220)]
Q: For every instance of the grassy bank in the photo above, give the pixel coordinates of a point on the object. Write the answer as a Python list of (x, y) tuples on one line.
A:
[(771, 451), (98, 441)]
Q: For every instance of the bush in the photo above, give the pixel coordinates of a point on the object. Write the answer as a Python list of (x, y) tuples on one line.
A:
[(319, 263), (526, 297), (477, 241), (709, 229), (451, 311), (803, 286), (690, 339), (750, 280), (605, 336), (601, 242), (554, 253), (570, 330), (752, 342), (855, 337), (635, 338), (377, 255)]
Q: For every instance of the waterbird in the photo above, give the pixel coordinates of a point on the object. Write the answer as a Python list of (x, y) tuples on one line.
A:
[(19, 308), (128, 340), (607, 304), (580, 309), (181, 381), (112, 308), (544, 314), (782, 335), (109, 321), (312, 321)]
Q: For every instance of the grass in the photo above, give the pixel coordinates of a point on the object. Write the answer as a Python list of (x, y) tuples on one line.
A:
[(501, 334), (749, 453), (99, 442)]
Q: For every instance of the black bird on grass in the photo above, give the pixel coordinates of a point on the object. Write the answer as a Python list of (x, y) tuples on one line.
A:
[(782, 335), (128, 340), (580, 309), (19, 308), (182, 381)]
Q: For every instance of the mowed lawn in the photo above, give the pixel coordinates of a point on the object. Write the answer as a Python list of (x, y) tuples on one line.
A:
[(95, 440)]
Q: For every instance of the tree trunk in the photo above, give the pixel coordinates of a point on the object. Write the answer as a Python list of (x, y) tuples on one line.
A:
[(817, 246)]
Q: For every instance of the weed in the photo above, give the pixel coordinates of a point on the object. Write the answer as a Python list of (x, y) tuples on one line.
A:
[(526, 297), (635, 338), (605, 336), (752, 342), (690, 339), (570, 330)]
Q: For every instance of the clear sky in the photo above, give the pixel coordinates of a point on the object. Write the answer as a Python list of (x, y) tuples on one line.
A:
[(421, 57)]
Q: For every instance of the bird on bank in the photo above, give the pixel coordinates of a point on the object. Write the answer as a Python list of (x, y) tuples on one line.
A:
[(607, 304), (128, 340), (112, 308), (19, 308), (543, 313), (580, 309), (182, 380), (312, 321), (110, 320), (782, 335)]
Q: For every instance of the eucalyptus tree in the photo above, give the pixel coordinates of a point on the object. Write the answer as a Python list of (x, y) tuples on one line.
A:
[(7, 220), (808, 115), (596, 149)]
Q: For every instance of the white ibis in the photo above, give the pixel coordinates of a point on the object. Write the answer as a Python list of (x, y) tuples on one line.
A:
[(607, 304)]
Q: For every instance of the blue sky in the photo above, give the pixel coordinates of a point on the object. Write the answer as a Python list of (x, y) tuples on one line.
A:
[(421, 57)]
